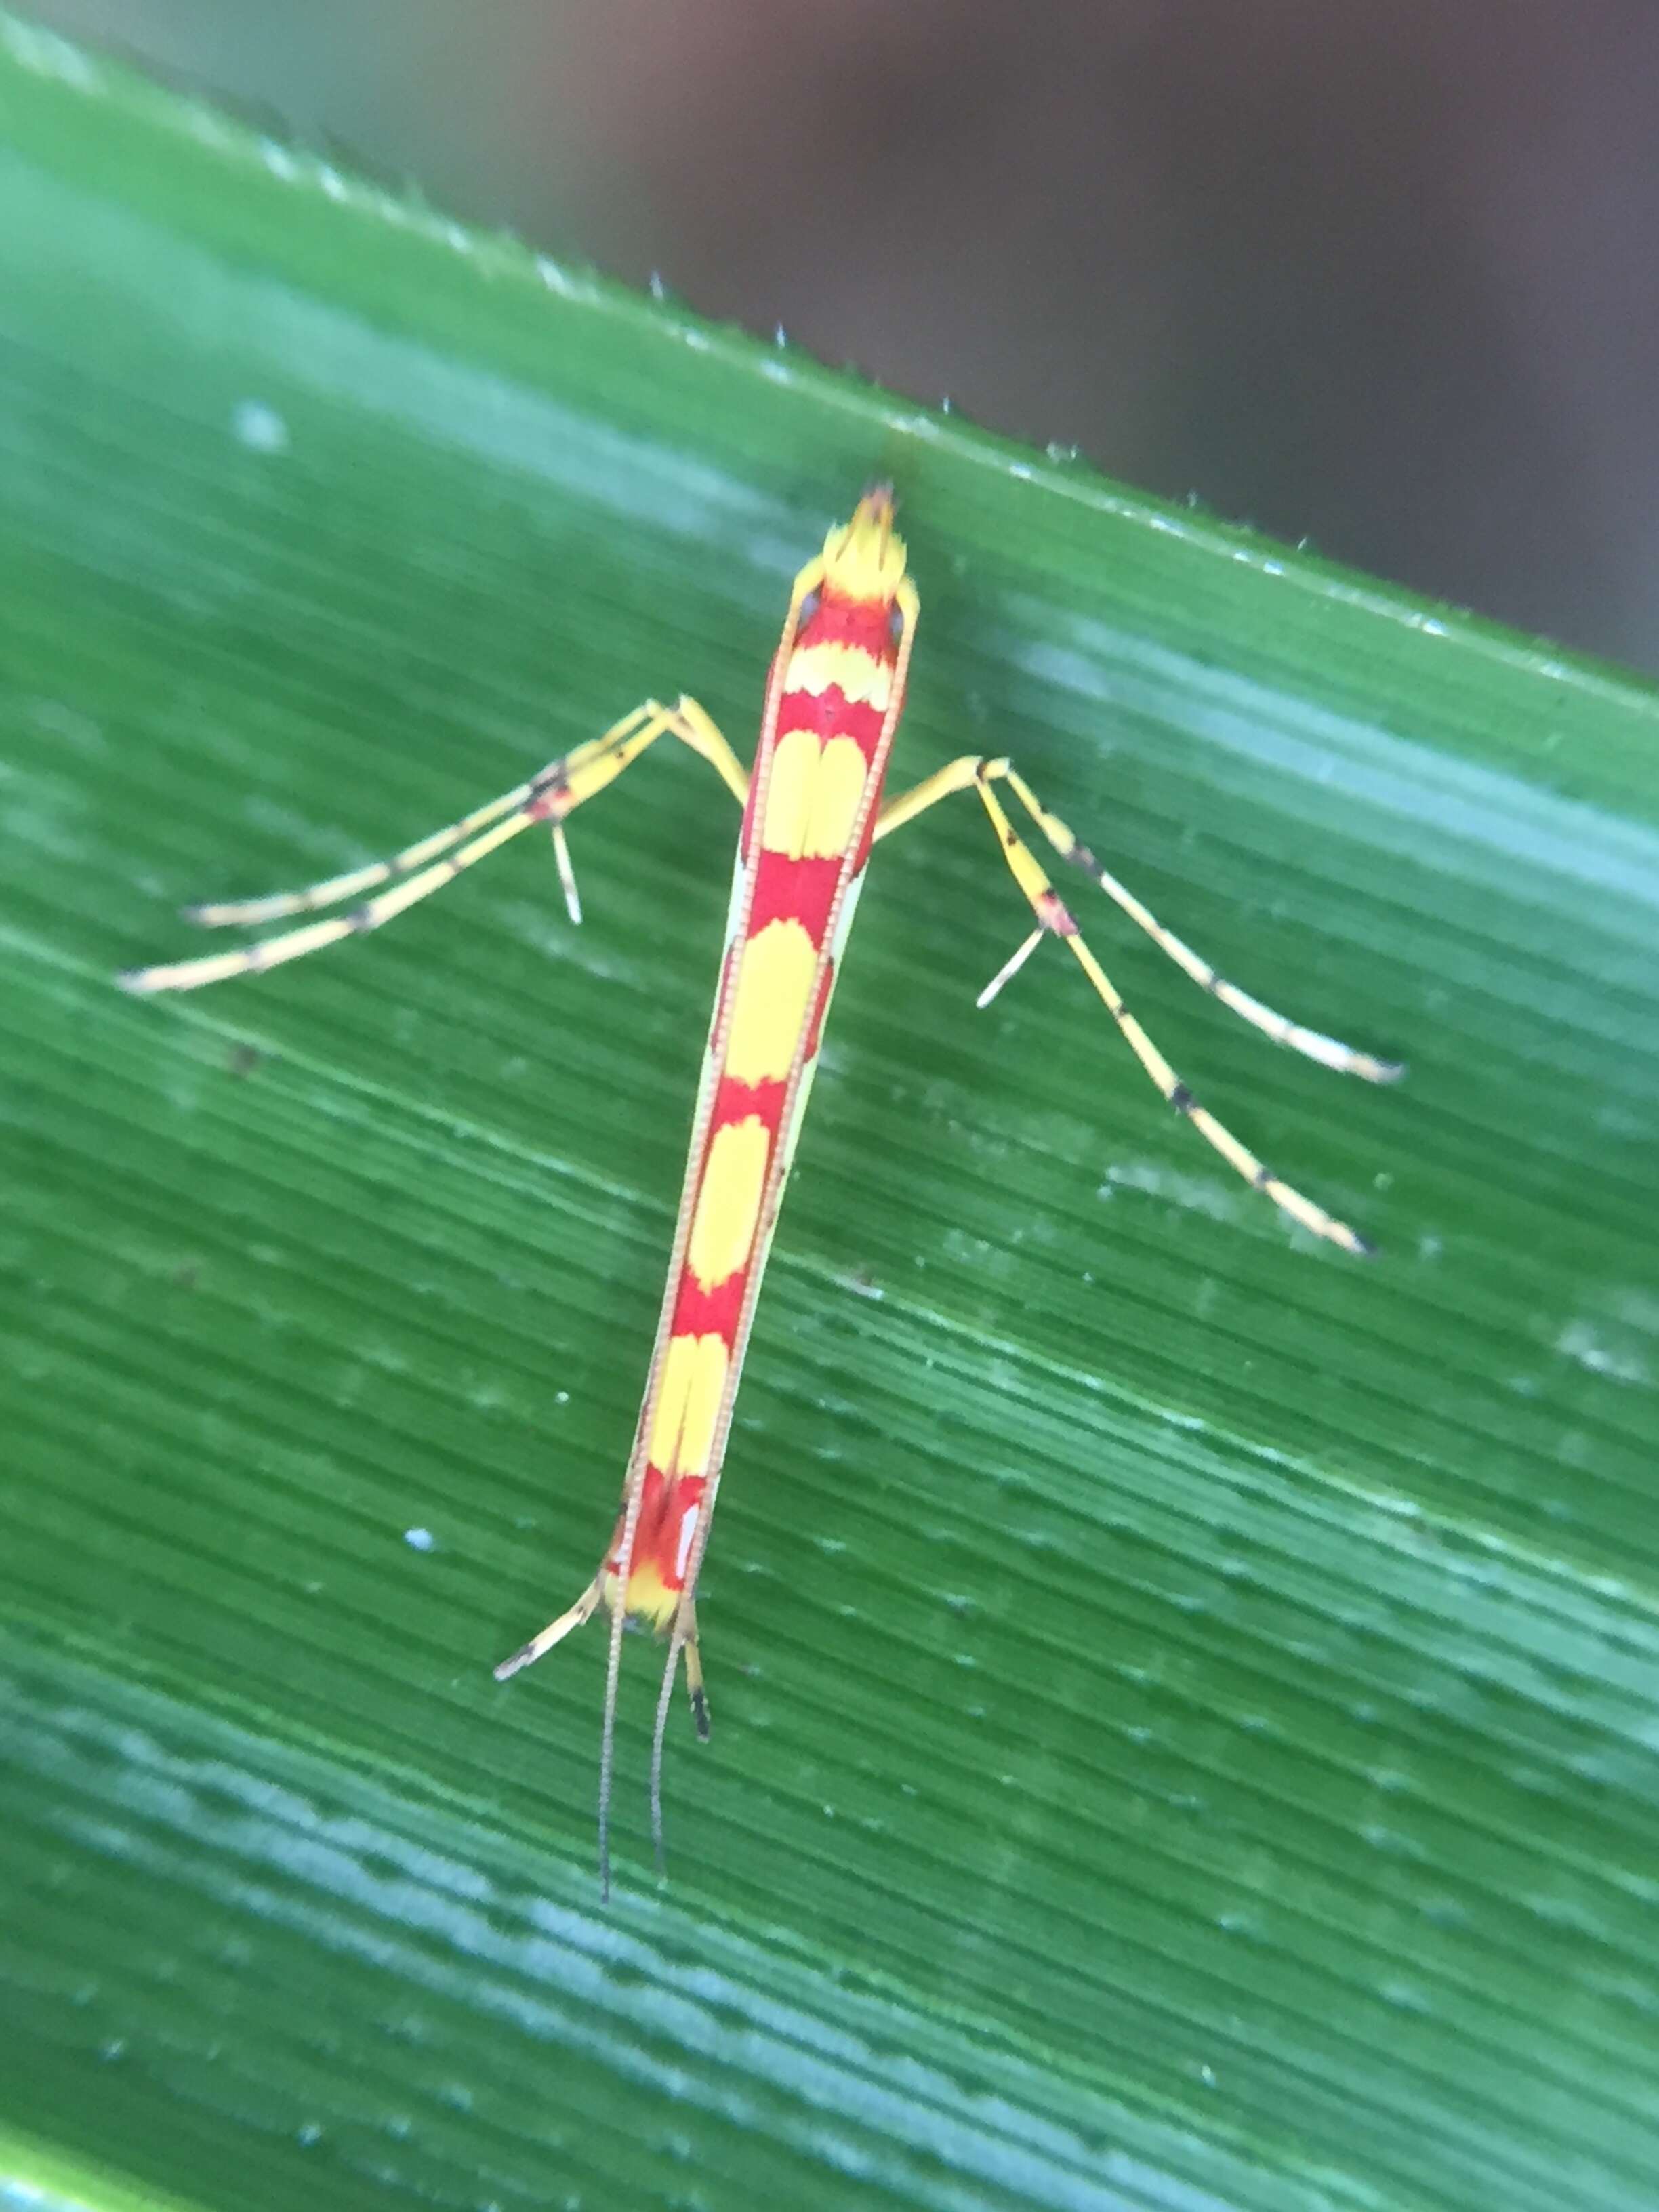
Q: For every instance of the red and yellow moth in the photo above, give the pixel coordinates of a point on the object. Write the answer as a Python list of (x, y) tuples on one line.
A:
[(812, 806)]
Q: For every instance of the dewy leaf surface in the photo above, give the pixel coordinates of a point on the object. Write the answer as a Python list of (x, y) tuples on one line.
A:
[(1185, 1701)]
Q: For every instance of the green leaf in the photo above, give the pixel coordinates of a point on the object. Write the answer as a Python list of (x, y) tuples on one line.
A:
[(1185, 1700)]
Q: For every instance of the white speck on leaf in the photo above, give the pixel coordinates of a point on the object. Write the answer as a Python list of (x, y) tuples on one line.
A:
[(1583, 1341), (258, 427)]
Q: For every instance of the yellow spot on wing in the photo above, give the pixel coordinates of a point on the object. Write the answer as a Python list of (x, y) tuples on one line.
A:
[(860, 676), (789, 792), (775, 975), (729, 1203), (649, 1598), (688, 1405), (812, 795), (836, 800)]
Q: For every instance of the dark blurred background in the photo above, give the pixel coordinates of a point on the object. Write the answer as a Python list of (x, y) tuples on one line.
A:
[(1383, 279)]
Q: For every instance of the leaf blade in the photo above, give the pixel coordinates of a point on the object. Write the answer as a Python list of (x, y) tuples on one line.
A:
[(1197, 1691)]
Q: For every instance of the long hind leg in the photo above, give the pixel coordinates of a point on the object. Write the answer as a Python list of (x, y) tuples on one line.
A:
[(552, 796), (1053, 917), (969, 771)]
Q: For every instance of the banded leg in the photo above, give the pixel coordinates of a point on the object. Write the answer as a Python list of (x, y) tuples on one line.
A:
[(577, 1616), (966, 773), (1329, 1051), (683, 1637), (281, 904), (555, 1631), (552, 796), (1053, 917)]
